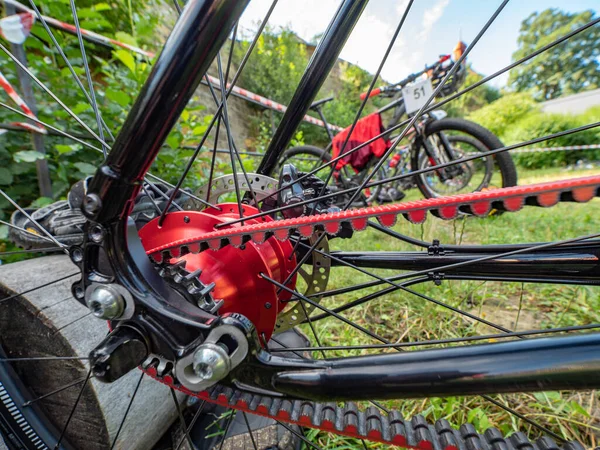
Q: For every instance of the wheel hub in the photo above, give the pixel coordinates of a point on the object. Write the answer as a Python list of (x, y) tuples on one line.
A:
[(235, 272)]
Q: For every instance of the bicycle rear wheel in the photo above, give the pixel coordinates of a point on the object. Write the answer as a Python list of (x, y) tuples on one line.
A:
[(467, 138)]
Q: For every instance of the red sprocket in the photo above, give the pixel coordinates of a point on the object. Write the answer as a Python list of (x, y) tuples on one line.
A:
[(235, 271)]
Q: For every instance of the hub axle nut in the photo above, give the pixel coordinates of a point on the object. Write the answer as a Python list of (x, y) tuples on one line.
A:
[(211, 362), (106, 303)]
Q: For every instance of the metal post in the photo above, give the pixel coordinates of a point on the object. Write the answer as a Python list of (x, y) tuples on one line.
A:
[(43, 174)]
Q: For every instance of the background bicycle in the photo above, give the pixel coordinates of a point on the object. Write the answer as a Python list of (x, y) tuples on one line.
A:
[(434, 140), (430, 323)]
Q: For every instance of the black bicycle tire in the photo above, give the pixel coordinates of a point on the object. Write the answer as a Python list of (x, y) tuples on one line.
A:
[(22, 428), (503, 161)]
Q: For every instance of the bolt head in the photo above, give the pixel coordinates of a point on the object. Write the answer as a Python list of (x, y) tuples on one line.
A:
[(96, 234), (105, 303), (91, 204), (211, 363)]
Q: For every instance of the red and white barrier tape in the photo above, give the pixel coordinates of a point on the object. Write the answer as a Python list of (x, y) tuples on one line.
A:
[(15, 29), (556, 149), (270, 104), (4, 84)]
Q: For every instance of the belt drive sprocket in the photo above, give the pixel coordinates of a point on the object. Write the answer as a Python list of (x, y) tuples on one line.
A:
[(314, 276)]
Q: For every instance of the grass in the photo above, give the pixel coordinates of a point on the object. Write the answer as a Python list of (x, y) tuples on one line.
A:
[(402, 317)]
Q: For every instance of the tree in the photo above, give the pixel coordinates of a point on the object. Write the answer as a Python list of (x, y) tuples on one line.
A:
[(473, 100), (567, 68)]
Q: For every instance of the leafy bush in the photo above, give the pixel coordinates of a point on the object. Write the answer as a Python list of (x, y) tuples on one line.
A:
[(500, 115), (473, 100), (538, 124)]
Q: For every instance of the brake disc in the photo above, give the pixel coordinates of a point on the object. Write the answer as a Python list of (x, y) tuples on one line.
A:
[(314, 275)]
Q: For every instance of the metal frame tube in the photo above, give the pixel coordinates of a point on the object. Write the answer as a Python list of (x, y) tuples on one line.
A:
[(191, 47), (565, 264), (319, 66), (571, 362)]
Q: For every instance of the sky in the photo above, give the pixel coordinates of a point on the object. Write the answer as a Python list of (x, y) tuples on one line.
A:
[(432, 28)]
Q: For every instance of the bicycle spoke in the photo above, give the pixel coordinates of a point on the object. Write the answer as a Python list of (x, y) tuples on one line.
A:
[(219, 109), (232, 148), (524, 418), (50, 127), (192, 423), (10, 225), (32, 250), (181, 418), (152, 199), (225, 118), (229, 420), (368, 298), (88, 75), (38, 287), (302, 438), (62, 433), (322, 308), (418, 294), (56, 391), (172, 186), (51, 94), (42, 229), (512, 334), (66, 61), (177, 6), (249, 430), (135, 391), (46, 358)]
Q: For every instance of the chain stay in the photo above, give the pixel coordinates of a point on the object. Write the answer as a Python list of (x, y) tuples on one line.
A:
[(478, 204)]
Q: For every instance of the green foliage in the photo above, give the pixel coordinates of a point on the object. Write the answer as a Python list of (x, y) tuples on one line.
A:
[(118, 75), (515, 118), (276, 65), (537, 124), (473, 100), (504, 112), (568, 68), (274, 71)]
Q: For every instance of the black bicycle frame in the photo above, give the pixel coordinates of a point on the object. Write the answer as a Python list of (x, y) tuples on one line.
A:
[(532, 364)]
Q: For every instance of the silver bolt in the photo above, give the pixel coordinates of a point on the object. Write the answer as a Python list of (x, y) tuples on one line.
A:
[(77, 255), (91, 204), (105, 303), (96, 234), (211, 362)]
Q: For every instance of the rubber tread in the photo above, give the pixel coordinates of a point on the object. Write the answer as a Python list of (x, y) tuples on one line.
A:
[(371, 424)]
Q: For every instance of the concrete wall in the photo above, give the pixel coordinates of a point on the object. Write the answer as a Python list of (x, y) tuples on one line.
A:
[(573, 104)]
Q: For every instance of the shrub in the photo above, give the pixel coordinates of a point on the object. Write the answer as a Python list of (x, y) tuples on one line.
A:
[(498, 116), (538, 124)]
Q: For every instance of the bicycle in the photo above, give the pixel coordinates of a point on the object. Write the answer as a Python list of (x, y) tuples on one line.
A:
[(434, 140), (200, 322)]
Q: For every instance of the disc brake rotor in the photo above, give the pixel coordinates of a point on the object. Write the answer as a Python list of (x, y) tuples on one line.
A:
[(315, 275)]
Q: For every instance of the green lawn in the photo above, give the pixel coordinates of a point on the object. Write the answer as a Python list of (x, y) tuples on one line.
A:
[(404, 317)]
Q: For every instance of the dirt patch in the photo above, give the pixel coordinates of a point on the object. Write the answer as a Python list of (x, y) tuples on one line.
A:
[(504, 312)]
